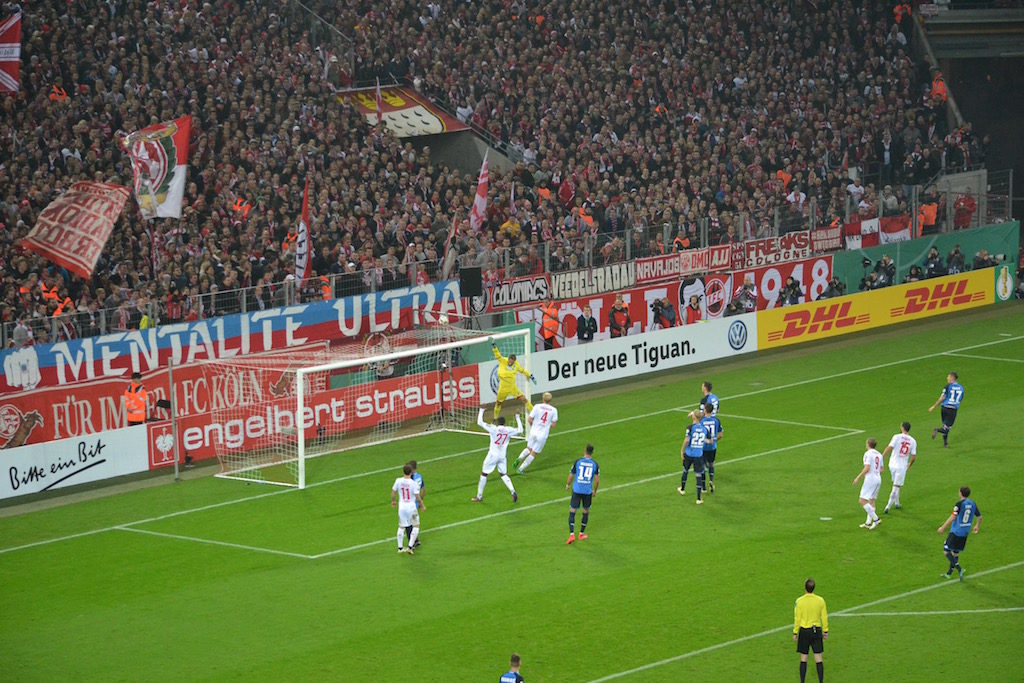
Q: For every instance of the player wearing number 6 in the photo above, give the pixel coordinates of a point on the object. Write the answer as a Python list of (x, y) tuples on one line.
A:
[(405, 494), (508, 367), (584, 476), (693, 455), (496, 454), (904, 452), (540, 420)]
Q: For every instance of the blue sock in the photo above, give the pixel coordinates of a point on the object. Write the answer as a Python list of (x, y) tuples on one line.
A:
[(583, 522), (700, 484), (682, 483), (572, 521), (711, 472)]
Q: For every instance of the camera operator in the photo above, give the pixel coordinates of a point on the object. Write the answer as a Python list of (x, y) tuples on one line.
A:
[(791, 293), (870, 281), (733, 308), (746, 295), (664, 312), (693, 313), (835, 288), (955, 261), (983, 260), (915, 274), (933, 265), (886, 270)]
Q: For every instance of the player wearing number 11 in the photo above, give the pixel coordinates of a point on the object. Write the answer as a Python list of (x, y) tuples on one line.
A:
[(584, 476), (405, 495), (496, 454)]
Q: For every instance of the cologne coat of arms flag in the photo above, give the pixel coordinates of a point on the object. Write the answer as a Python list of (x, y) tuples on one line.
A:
[(159, 157)]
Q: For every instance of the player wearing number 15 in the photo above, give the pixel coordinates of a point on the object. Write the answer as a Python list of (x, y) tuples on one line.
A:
[(904, 452), (950, 398), (584, 476), (405, 494), (496, 454), (872, 474), (508, 366), (692, 454)]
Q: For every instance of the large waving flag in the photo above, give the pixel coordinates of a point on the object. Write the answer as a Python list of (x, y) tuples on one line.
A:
[(380, 105), (159, 157), (10, 54), (303, 244), (479, 211)]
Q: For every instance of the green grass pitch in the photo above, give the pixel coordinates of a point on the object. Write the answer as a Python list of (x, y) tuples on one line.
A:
[(214, 580)]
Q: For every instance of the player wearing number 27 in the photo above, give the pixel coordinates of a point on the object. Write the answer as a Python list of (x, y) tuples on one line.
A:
[(405, 493), (872, 474), (584, 477), (508, 366), (540, 420), (496, 454), (904, 452)]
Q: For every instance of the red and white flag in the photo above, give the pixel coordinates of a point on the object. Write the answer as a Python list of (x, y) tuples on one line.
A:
[(10, 54), (159, 156), (380, 105), (303, 243), (479, 211), (894, 229), (512, 200)]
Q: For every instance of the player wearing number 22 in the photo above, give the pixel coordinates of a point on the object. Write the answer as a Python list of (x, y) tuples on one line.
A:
[(872, 474), (496, 454), (965, 512), (693, 455), (950, 398), (508, 367), (584, 477), (405, 493)]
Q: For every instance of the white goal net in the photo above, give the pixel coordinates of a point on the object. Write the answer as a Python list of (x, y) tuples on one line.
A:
[(311, 403)]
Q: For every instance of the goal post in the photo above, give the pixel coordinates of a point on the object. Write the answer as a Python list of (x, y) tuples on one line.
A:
[(388, 387)]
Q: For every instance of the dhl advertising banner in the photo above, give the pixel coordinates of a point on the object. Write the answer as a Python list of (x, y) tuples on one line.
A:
[(867, 310)]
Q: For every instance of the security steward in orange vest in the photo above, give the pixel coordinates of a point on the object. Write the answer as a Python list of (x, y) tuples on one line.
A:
[(549, 323), (135, 401)]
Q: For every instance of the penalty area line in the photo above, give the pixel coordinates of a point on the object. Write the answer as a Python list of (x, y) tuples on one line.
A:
[(209, 541), (931, 613), (843, 613)]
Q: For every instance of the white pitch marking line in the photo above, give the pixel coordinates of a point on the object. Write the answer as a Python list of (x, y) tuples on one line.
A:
[(207, 541), (969, 355), (790, 422), (941, 612), (755, 392), (754, 636)]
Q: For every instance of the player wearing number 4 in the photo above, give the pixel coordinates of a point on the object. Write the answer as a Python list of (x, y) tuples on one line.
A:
[(692, 454), (496, 454), (872, 474), (507, 369), (584, 476), (405, 495), (540, 420), (904, 452), (950, 398)]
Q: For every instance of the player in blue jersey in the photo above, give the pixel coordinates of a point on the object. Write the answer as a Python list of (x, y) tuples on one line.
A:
[(708, 398), (950, 398), (965, 512), (713, 427), (418, 478), (584, 477), (512, 675), (692, 454)]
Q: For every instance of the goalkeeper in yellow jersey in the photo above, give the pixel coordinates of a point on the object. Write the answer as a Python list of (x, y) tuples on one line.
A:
[(507, 369)]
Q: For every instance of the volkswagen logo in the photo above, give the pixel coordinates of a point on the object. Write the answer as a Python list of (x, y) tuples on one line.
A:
[(737, 335)]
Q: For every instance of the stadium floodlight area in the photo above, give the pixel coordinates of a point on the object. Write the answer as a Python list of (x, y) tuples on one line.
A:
[(287, 408)]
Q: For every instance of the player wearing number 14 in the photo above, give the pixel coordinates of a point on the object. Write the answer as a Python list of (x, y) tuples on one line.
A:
[(584, 477), (496, 455)]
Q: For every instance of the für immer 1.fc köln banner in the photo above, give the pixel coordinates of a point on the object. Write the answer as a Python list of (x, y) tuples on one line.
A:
[(73, 229)]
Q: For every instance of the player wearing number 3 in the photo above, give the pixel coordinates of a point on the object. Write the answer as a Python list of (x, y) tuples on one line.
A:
[(904, 452), (872, 474), (496, 454), (507, 369), (540, 420)]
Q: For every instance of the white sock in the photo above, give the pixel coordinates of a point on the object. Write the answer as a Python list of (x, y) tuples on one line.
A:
[(526, 463), (401, 535), (508, 483), (524, 453), (896, 494), (480, 486), (871, 512), (415, 534)]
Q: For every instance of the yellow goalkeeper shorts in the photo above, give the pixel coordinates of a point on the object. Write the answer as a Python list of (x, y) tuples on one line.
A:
[(505, 393)]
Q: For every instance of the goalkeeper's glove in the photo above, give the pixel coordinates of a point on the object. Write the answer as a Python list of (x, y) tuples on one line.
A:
[(532, 379), (491, 339)]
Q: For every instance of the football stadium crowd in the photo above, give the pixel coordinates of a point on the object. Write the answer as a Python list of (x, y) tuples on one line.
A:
[(626, 124)]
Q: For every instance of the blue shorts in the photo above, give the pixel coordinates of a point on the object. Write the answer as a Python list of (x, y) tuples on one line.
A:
[(954, 543), (580, 500)]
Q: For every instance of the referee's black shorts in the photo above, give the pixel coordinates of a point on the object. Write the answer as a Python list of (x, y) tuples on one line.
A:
[(948, 416), (810, 639)]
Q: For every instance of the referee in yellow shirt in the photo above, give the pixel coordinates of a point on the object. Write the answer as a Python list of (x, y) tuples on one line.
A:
[(810, 629)]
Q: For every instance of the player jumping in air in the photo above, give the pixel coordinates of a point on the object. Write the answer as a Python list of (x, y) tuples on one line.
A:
[(496, 454), (950, 398), (508, 366), (540, 420)]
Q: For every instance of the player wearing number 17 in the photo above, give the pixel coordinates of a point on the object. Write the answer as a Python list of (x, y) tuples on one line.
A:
[(584, 476), (950, 398), (496, 454), (508, 366)]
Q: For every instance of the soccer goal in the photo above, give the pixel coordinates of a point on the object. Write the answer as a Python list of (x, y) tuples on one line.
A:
[(289, 408)]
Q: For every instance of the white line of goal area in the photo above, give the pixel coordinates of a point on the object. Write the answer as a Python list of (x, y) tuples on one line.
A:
[(933, 613), (336, 480), (849, 612), (971, 355)]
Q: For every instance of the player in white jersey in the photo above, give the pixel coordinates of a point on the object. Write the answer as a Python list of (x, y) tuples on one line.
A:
[(541, 419), (904, 452), (872, 474), (500, 435), (405, 494)]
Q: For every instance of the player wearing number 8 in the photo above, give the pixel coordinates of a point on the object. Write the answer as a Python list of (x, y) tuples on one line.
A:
[(496, 454), (904, 452), (692, 454), (950, 398), (584, 476)]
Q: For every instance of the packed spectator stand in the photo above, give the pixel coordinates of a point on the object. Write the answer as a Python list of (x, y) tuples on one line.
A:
[(638, 129)]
